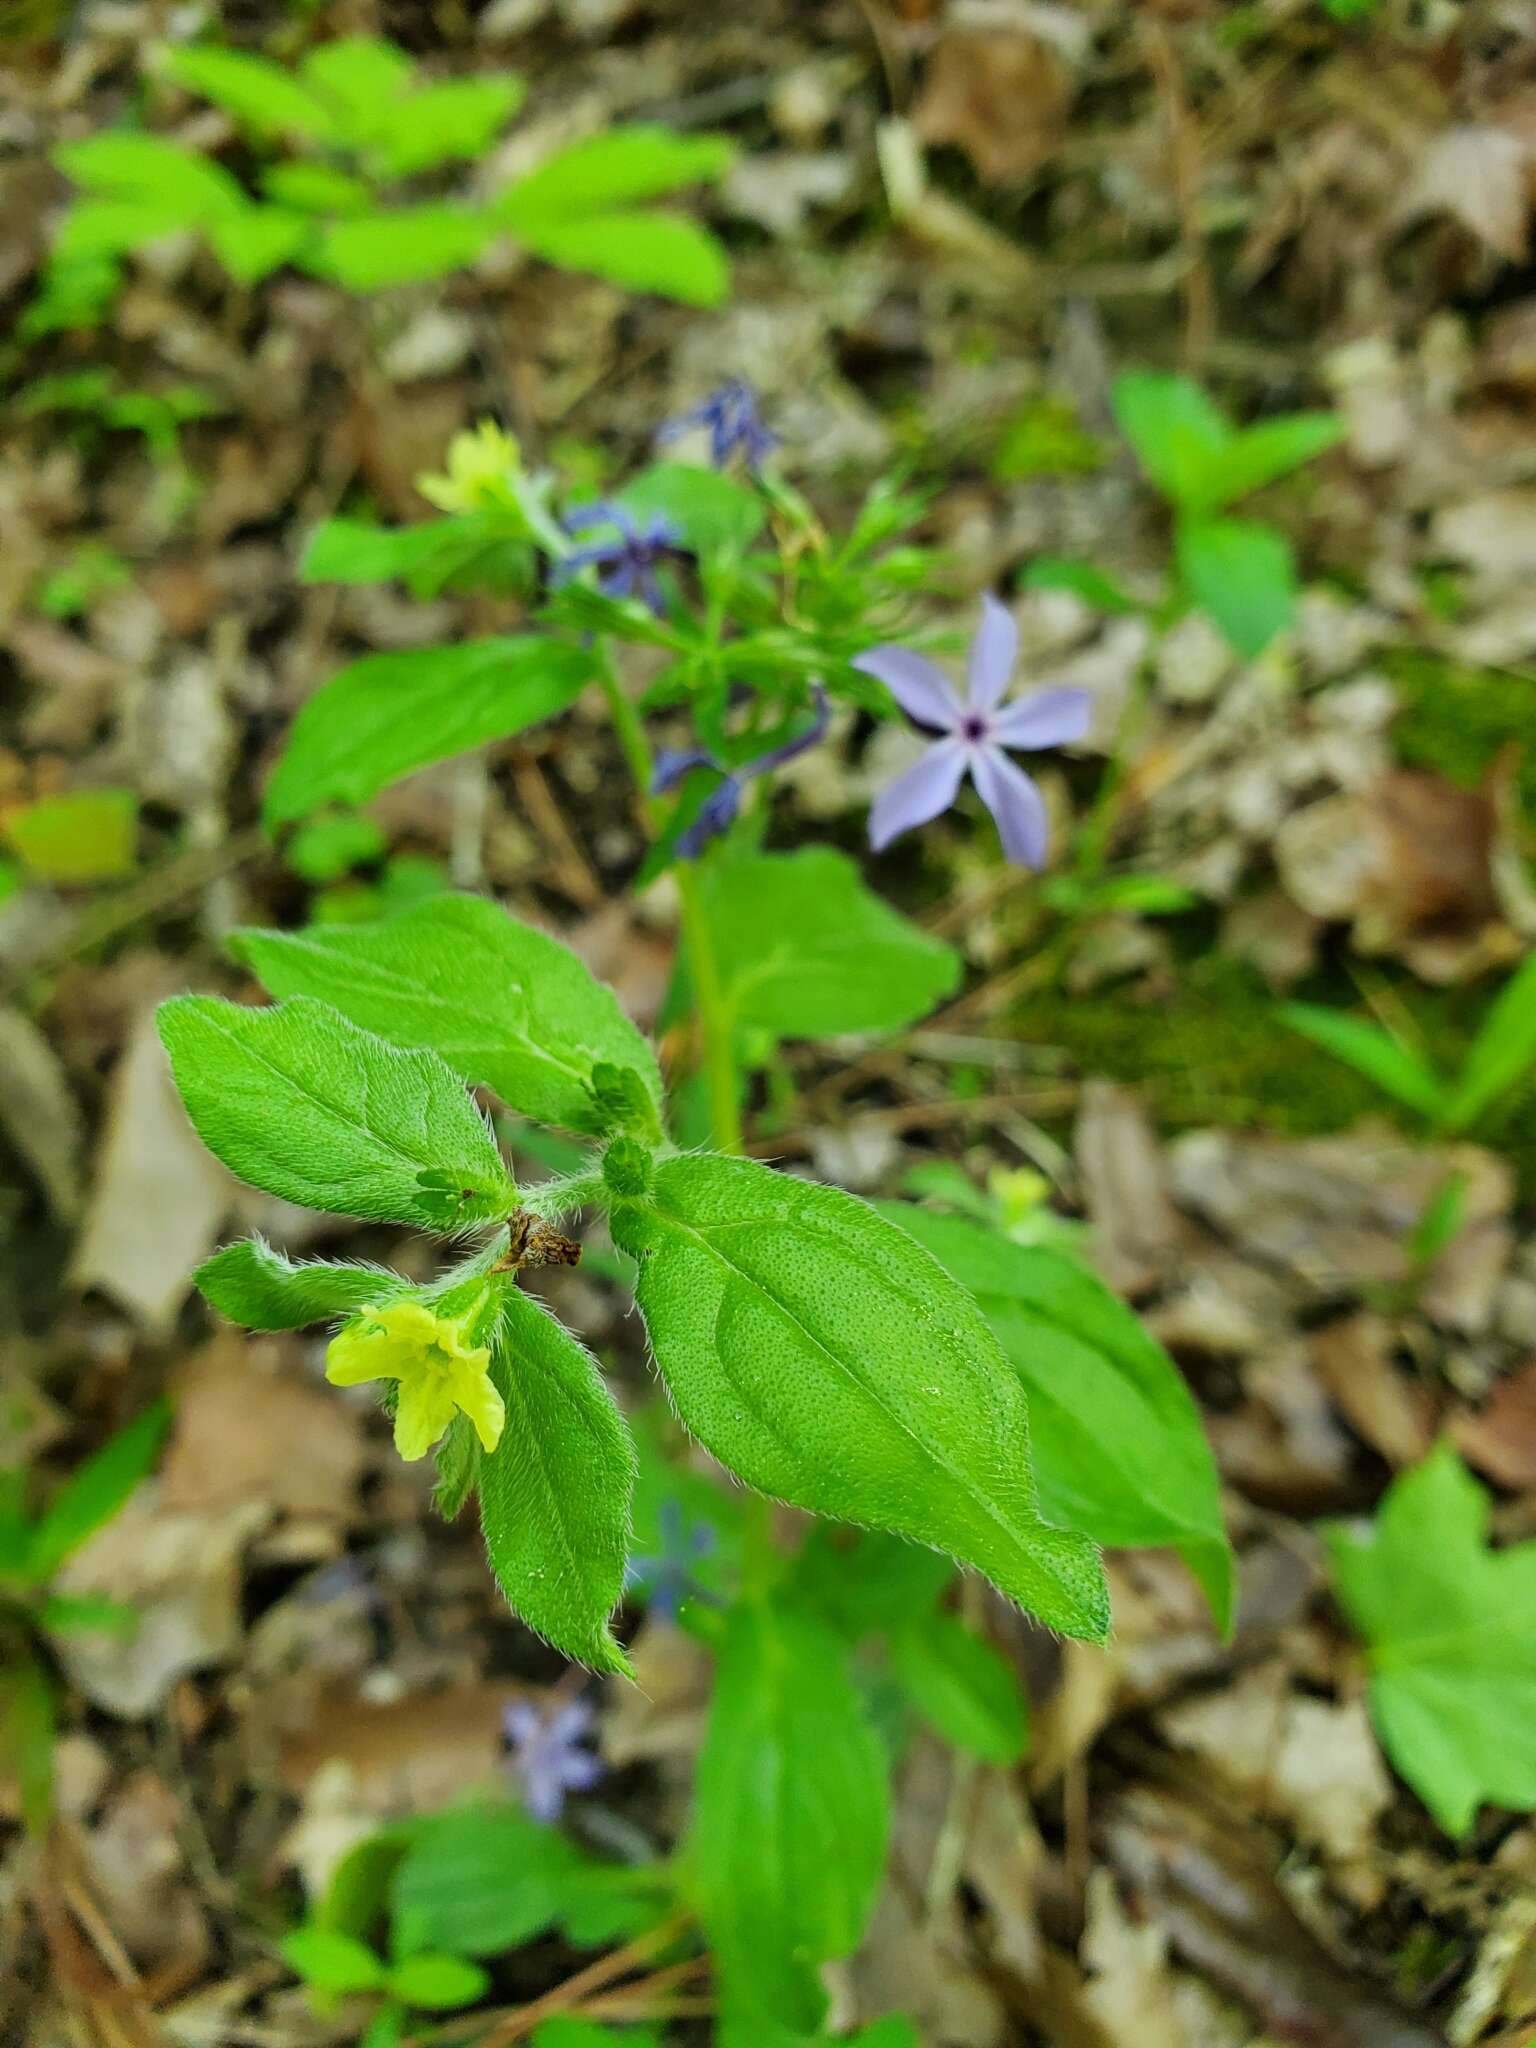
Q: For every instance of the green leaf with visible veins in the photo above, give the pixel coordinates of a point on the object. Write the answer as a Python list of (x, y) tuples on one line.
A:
[(299, 1101), (555, 1493), (826, 1358), (503, 1004), (1119, 1447), (791, 1813), (1450, 1628), (252, 1284), (389, 714)]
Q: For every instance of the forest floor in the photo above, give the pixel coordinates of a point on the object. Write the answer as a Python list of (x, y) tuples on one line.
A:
[(1205, 1846)]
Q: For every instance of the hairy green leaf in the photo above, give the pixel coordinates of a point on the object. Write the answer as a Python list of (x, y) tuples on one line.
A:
[(555, 1492), (806, 951), (1450, 1627), (791, 1813), (503, 1004), (826, 1358), (1119, 1448), (404, 245), (389, 714), (963, 1686), (301, 1102), (252, 1284)]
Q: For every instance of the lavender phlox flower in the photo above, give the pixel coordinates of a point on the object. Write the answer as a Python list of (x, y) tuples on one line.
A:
[(718, 811), (733, 419), (667, 1577), (973, 732), (547, 1758), (627, 562)]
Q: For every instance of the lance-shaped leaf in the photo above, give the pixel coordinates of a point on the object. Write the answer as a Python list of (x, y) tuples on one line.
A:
[(389, 714), (503, 1004), (555, 1492), (299, 1101), (1119, 1447), (963, 1686), (823, 1355), (252, 1284), (790, 1824)]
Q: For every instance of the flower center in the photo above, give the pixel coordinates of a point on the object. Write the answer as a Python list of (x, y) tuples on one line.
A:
[(973, 727)]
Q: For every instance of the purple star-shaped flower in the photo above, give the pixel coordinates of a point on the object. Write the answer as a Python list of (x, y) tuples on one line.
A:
[(547, 1758), (667, 1577), (719, 809), (974, 733), (627, 562), (734, 421)]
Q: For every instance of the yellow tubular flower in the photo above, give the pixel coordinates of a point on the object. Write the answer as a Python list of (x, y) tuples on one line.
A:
[(439, 1370)]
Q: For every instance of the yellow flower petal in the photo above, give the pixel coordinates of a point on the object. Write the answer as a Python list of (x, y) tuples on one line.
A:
[(424, 1413), (474, 1392)]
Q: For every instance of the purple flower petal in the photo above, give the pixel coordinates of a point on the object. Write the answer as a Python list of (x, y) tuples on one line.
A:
[(923, 691), (926, 788), (1045, 718), (994, 650), (1015, 803)]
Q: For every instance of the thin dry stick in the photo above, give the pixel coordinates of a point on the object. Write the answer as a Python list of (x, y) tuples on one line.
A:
[(1188, 176), (512, 2026)]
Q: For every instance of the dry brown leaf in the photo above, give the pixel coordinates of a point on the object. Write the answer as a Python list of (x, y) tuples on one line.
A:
[(1481, 177), (1500, 1439), (407, 1755), (180, 1570), (1136, 1230), (38, 1111), (1001, 96), (160, 1195), (1354, 1357), (247, 1430)]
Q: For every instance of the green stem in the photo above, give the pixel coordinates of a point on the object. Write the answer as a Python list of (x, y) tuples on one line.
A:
[(716, 1025)]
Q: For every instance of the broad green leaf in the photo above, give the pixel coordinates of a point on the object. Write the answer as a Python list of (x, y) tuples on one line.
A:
[(426, 557), (645, 249), (963, 1686), (506, 1006), (389, 714), (1179, 436), (91, 835), (488, 1879), (565, 2030), (619, 168), (408, 244), (1119, 1449), (332, 1961), (92, 1495), (454, 117), (302, 1103), (713, 513), (252, 244), (261, 95), (150, 169), (1450, 1629), (330, 847), (1242, 575), (315, 188), (806, 951), (438, 1983), (862, 1580), (360, 74), (1383, 1059), (828, 1360), (555, 1492), (790, 1820), (1502, 1053), (252, 1284), (1256, 456)]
